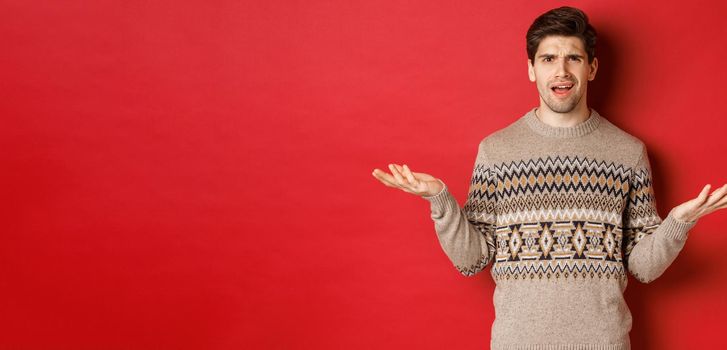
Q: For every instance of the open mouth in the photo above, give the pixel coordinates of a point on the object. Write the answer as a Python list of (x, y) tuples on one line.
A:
[(561, 88)]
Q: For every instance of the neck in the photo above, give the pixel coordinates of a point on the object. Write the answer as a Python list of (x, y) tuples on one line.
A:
[(572, 118)]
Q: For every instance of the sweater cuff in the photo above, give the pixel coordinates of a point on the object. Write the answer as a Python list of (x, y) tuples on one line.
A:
[(675, 228), (444, 187), (440, 201)]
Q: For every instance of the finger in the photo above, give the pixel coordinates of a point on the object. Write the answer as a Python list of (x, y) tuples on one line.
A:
[(396, 170), (422, 176), (716, 195), (410, 176), (723, 192), (397, 175), (703, 196), (405, 181), (721, 203), (385, 178)]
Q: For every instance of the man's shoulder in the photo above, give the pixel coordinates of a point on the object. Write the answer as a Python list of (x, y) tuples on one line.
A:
[(618, 136), (511, 131)]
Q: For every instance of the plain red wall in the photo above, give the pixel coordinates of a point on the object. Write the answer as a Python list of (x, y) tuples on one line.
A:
[(197, 175)]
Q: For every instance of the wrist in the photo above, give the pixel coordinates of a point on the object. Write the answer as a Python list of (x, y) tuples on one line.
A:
[(438, 189), (683, 218)]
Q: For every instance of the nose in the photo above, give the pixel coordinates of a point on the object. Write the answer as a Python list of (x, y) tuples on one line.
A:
[(562, 69)]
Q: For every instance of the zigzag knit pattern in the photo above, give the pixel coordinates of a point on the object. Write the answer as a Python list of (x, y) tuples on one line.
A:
[(533, 193)]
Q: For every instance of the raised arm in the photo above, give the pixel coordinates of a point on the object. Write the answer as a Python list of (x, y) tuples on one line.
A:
[(650, 243), (467, 234)]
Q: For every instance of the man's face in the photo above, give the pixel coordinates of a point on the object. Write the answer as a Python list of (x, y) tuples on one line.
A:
[(561, 72)]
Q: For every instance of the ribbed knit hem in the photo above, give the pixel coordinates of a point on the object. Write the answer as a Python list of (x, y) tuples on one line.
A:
[(441, 201), (675, 228), (581, 129), (622, 346), (438, 196)]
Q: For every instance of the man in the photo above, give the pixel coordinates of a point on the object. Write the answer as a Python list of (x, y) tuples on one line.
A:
[(561, 204)]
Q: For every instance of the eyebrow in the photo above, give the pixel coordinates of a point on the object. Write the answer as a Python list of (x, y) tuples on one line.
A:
[(572, 55)]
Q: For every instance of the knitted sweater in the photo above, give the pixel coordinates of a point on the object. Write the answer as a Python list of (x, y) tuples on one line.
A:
[(560, 214)]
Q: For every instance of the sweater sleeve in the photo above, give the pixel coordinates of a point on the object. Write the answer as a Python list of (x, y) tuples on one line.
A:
[(651, 244), (466, 234)]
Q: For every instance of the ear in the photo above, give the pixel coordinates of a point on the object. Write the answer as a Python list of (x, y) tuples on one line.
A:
[(531, 70), (594, 69)]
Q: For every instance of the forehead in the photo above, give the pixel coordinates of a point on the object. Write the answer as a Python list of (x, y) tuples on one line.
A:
[(555, 44)]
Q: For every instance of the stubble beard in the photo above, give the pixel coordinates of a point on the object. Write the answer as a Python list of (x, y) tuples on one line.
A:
[(560, 106)]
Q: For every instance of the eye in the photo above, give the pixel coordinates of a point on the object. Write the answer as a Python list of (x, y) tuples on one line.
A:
[(547, 59), (577, 59)]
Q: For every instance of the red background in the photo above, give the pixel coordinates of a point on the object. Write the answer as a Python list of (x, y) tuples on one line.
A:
[(197, 175)]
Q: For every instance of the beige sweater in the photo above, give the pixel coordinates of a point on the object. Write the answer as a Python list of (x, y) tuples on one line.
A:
[(560, 214)]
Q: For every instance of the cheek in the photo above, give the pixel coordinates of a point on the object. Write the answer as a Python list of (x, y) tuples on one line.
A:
[(543, 88)]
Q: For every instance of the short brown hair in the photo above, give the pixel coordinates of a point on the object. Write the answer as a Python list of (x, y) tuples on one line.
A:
[(565, 21)]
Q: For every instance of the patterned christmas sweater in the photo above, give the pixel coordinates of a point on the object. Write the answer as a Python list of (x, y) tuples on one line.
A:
[(560, 214)]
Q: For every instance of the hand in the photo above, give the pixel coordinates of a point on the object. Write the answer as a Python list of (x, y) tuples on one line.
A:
[(404, 179), (702, 205)]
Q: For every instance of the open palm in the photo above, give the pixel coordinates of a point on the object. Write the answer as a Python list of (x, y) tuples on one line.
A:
[(403, 178), (703, 204)]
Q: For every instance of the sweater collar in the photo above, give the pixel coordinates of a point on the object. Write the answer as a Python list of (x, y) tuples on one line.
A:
[(580, 129)]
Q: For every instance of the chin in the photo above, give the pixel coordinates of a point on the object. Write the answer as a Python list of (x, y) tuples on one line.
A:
[(562, 108)]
